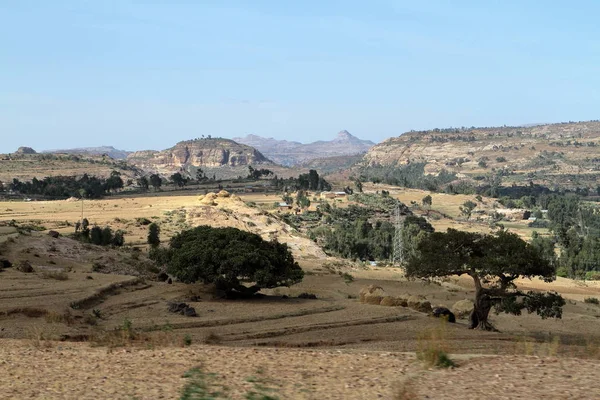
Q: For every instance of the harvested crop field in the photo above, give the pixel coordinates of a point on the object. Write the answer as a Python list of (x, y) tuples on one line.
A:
[(77, 371)]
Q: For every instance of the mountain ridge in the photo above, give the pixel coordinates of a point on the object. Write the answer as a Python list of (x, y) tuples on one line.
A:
[(292, 153)]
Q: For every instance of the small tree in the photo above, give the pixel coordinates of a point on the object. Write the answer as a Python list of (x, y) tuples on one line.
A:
[(118, 239), (154, 234), (359, 186), (229, 257), (493, 262), (107, 236), (467, 208), (302, 200), (114, 182), (200, 175), (143, 183), (178, 179), (427, 201), (96, 235), (155, 181)]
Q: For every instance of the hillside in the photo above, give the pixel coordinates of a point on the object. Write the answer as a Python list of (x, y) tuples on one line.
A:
[(25, 166), (294, 153), (564, 154), (94, 151), (209, 152), (327, 165)]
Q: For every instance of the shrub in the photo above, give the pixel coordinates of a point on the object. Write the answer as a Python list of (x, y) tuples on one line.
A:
[(592, 275), (591, 300), (212, 338), (348, 279), (433, 348), (200, 386), (142, 221)]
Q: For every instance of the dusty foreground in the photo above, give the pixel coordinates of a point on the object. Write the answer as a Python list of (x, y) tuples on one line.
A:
[(78, 371)]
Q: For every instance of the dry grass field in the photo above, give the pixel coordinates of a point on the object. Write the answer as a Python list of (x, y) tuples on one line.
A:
[(331, 347)]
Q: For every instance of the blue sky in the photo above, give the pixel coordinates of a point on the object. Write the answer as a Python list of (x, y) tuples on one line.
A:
[(146, 74)]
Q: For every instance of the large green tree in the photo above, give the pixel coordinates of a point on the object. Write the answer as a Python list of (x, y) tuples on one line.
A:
[(234, 260), (493, 262)]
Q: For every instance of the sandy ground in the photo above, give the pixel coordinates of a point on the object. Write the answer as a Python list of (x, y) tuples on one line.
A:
[(77, 371)]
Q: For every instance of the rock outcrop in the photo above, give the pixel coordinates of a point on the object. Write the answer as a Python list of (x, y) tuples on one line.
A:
[(25, 150), (198, 153)]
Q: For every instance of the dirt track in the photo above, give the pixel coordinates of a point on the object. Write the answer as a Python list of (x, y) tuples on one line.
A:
[(77, 371)]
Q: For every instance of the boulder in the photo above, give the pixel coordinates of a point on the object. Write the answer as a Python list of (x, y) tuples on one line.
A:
[(462, 308), (54, 234), (190, 312), (24, 266), (181, 308), (223, 193), (443, 312)]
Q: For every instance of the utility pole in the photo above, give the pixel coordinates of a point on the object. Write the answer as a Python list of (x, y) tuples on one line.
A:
[(398, 256)]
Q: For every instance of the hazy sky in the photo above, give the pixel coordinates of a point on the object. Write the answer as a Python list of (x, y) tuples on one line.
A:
[(146, 74)]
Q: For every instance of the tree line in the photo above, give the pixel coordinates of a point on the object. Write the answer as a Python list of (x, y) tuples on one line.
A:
[(62, 187)]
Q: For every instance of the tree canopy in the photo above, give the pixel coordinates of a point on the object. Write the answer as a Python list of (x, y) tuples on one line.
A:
[(494, 262), (230, 258)]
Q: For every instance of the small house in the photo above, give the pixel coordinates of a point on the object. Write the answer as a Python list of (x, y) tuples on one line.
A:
[(284, 206)]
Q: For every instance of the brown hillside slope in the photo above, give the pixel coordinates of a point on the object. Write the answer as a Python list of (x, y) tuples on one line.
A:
[(27, 166), (565, 154)]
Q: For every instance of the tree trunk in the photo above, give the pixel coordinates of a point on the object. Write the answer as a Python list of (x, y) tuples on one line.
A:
[(479, 316)]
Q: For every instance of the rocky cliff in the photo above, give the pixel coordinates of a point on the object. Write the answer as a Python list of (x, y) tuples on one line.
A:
[(294, 153), (565, 152), (214, 152)]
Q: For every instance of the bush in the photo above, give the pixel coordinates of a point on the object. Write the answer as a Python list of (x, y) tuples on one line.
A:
[(433, 348), (591, 300), (592, 275)]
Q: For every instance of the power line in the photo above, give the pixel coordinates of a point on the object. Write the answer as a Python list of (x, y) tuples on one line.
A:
[(398, 256)]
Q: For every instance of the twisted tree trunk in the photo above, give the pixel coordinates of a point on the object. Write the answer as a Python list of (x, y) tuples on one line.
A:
[(479, 316), (483, 304)]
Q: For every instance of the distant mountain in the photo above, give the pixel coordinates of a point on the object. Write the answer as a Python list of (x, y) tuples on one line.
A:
[(210, 152), (294, 153), (95, 151)]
